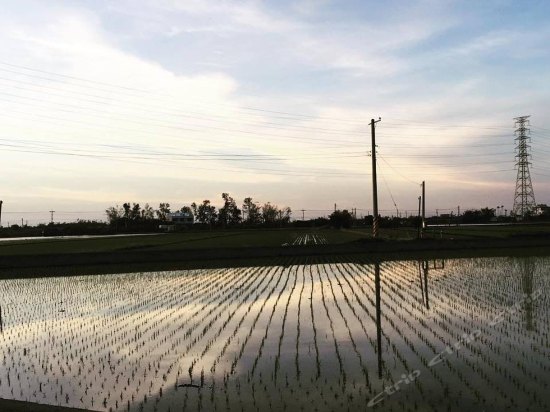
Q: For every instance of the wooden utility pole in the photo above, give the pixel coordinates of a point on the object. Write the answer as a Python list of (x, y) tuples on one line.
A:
[(374, 182), (1, 212)]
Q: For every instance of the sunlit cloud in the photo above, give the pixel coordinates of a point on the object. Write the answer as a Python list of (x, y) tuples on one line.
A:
[(180, 100)]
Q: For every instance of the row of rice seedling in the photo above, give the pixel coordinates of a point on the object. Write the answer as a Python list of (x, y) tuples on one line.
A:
[(310, 239), (475, 375), (289, 336)]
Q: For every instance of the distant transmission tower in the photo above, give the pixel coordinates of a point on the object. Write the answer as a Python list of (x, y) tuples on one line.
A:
[(524, 199)]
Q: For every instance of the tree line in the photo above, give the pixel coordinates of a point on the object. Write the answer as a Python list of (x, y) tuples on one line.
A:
[(251, 213)]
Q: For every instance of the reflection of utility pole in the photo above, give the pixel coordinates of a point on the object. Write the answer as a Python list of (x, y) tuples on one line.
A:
[(51, 213), (378, 317), (527, 269), (425, 268), (420, 275)]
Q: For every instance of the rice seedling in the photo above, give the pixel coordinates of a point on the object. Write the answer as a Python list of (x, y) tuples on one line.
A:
[(290, 336)]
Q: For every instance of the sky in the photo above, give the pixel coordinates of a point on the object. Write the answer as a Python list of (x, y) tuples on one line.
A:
[(149, 101)]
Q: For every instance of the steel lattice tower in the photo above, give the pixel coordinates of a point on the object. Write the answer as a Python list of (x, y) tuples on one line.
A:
[(524, 199)]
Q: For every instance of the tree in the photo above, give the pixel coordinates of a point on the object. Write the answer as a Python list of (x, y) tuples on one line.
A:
[(186, 209), (478, 216), (135, 212), (285, 215), (147, 213), (252, 211), (163, 210), (126, 207), (269, 213), (114, 213), (341, 219), (206, 213), (487, 213), (229, 214), (272, 215)]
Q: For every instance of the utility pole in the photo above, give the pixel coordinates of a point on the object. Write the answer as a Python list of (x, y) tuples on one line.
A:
[(51, 213), (1, 201), (423, 207), (303, 210), (374, 182)]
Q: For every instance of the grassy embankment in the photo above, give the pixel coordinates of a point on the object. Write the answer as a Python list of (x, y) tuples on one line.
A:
[(48, 257)]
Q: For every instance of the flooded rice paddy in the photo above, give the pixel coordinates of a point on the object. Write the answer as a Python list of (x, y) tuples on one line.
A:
[(456, 335)]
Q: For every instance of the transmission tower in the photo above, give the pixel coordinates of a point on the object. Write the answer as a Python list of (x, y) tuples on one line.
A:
[(524, 199)]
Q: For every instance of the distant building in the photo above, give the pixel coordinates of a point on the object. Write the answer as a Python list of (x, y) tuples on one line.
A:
[(177, 220), (180, 218), (541, 209)]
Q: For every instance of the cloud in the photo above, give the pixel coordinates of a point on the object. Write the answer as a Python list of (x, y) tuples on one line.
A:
[(295, 84)]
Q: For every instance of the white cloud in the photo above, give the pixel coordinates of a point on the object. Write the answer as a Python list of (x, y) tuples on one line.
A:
[(193, 73)]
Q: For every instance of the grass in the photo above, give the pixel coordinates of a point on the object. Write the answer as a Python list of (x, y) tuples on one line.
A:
[(173, 241), (236, 248), (488, 231)]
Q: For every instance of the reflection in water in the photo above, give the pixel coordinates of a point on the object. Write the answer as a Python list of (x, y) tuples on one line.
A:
[(527, 269), (423, 272), (378, 318), (291, 336)]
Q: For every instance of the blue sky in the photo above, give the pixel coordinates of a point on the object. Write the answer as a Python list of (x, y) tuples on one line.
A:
[(150, 101)]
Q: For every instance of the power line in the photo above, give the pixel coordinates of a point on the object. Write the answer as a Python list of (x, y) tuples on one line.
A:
[(149, 93), (403, 176), (186, 114)]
